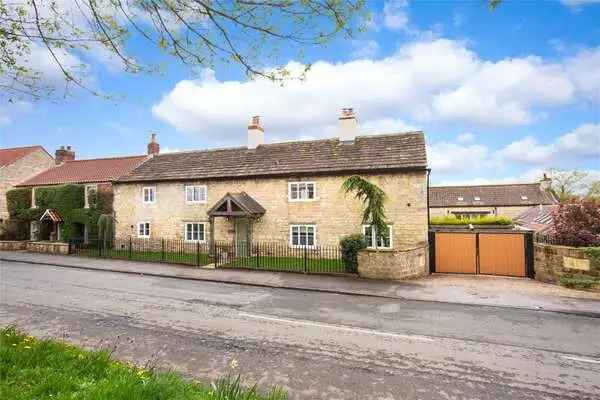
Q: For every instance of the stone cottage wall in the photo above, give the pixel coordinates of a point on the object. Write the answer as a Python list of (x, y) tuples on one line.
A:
[(393, 264), (334, 214), (551, 262)]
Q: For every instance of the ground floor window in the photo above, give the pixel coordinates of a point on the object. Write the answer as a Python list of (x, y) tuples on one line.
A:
[(194, 231), (303, 235), (144, 229), (377, 240)]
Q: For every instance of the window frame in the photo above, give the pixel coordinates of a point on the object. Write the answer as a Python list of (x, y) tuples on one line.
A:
[(373, 238), (290, 184), (33, 205), (86, 200), (153, 188), (185, 192), (185, 238), (144, 236), (303, 246)]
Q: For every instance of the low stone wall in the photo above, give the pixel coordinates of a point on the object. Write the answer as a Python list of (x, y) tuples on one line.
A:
[(48, 247), (393, 264), (551, 262), (12, 245)]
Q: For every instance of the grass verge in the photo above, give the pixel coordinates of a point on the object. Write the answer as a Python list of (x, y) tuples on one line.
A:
[(46, 369), (293, 264), (580, 281), (151, 256)]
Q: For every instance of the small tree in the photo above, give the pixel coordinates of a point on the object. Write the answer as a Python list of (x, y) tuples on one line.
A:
[(373, 198), (577, 223), (566, 184)]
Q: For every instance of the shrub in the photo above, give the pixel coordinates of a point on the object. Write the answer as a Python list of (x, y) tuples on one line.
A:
[(594, 254), (485, 220), (351, 245), (14, 229), (577, 223), (579, 281)]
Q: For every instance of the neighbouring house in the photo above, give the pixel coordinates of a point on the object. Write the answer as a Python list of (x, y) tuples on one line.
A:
[(507, 200), (65, 201), (290, 193), (19, 164), (536, 218)]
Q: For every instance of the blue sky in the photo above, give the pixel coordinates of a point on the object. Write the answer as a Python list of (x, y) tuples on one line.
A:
[(500, 95)]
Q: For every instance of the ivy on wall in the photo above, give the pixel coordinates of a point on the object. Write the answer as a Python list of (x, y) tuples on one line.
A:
[(68, 200)]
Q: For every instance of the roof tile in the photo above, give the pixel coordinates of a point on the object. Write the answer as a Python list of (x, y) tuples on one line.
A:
[(9, 156), (519, 194)]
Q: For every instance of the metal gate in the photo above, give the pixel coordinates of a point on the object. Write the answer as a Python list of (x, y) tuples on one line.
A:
[(489, 253)]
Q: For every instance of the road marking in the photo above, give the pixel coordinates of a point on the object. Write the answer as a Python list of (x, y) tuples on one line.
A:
[(585, 360), (338, 327)]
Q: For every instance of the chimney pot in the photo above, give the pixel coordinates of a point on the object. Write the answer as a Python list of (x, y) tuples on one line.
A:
[(153, 146), (64, 154), (348, 125), (256, 133)]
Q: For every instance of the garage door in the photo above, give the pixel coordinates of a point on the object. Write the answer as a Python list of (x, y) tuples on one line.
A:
[(455, 253), (502, 254)]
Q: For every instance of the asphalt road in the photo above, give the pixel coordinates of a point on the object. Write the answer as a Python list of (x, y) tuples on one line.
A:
[(316, 345)]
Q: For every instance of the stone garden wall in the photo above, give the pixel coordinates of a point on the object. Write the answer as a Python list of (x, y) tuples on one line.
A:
[(551, 262), (393, 264)]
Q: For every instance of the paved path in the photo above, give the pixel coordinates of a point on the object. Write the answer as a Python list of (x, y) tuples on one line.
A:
[(317, 345), (479, 290)]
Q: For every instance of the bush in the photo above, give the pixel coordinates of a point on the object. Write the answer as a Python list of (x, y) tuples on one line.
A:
[(579, 281), (577, 223), (485, 220), (14, 229), (351, 245)]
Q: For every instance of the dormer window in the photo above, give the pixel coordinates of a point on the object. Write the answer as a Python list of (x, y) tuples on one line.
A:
[(523, 197), (460, 198), (477, 198)]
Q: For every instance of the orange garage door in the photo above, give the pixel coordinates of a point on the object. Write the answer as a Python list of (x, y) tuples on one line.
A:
[(455, 253), (501, 254)]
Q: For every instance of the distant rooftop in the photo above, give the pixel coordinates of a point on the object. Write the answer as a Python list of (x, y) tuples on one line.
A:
[(9, 156), (517, 194)]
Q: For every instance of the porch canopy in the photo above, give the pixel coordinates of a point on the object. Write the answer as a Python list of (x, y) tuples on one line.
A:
[(236, 205), (51, 215)]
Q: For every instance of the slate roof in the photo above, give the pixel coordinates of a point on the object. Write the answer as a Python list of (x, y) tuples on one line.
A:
[(9, 156), (537, 218), (489, 195), (365, 153), (86, 171)]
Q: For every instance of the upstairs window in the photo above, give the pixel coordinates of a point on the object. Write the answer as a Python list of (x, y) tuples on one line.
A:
[(302, 191), (477, 198), (149, 194), (194, 231), (382, 241), (195, 194), (143, 229), (523, 197), (89, 195), (303, 235)]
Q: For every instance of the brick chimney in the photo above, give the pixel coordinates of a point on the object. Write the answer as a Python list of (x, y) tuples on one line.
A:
[(64, 154), (256, 133), (348, 125), (153, 146)]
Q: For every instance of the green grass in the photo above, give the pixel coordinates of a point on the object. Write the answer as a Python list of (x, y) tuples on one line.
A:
[(288, 264), (45, 369), (580, 281), (485, 220), (190, 258)]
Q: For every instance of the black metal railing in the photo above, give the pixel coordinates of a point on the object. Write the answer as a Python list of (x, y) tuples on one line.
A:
[(280, 257), (223, 254), (153, 250)]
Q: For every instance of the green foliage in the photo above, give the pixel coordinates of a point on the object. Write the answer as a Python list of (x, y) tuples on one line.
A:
[(485, 220), (14, 229), (68, 200), (34, 369), (373, 199), (350, 246), (594, 254), (105, 228), (17, 200), (579, 281)]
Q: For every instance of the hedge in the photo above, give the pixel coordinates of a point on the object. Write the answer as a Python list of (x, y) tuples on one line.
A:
[(485, 220)]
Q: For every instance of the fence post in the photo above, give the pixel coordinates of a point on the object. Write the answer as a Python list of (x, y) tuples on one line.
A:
[(99, 248), (162, 249), (129, 252), (197, 254), (305, 255)]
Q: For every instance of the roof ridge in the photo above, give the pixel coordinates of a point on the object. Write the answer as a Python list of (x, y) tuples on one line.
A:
[(100, 159), (22, 147), (291, 142), (486, 185)]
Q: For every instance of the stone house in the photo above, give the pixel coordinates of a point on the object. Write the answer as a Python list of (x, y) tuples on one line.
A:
[(507, 200), (94, 174), (281, 192), (19, 164)]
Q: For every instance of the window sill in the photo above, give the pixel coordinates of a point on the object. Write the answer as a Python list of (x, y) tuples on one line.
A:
[(379, 249), (193, 203)]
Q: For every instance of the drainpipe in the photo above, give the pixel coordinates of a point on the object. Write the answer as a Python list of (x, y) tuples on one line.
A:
[(428, 174)]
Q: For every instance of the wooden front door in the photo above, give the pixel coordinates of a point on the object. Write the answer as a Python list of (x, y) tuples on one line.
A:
[(242, 237)]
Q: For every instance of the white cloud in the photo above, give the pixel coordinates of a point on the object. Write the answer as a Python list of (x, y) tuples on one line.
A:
[(445, 157), (584, 141), (466, 137), (364, 49), (395, 16), (577, 3), (409, 85)]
